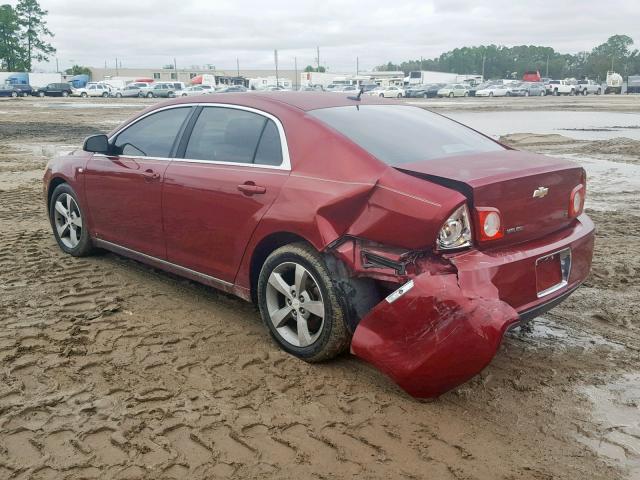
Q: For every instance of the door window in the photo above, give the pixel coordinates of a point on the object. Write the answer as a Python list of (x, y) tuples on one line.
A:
[(153, 136), (230, 135)]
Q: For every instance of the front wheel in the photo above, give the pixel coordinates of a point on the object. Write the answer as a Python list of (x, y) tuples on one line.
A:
[(599, 92), (105, 95), (83, 94), (14, 94), (300, 305), (67, 221), (451, 95), (118, 95), (424, 95), (65, 94), (41, 94), (149, 95)]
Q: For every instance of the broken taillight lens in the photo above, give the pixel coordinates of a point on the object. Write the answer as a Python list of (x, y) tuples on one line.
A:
[(576, 201), (456, 231)]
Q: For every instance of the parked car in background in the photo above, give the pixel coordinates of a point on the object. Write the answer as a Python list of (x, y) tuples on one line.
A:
[(450, 240), (311, 88), (194, 90), (387, 92), (24, 90), (92, 89), (131, 90), (53, 90), (526, 89), (162, 90), (8, 90), (424, 91), (493, 90), (561, 87), (453, 90), (233, 89), (144, 88), (531, 76), (585, 87)]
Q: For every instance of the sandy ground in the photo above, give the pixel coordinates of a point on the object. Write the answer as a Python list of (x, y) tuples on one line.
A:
[(110, 369)]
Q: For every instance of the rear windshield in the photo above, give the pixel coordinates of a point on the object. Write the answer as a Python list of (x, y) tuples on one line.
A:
[(397, 134)]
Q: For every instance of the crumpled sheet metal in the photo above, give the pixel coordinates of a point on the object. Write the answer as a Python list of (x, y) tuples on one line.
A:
[(434, 337)]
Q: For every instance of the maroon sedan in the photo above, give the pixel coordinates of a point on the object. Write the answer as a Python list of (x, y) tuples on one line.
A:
[(385, 228)]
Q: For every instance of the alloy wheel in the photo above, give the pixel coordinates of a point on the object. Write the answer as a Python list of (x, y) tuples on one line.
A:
[(68, 220), (295, 304)]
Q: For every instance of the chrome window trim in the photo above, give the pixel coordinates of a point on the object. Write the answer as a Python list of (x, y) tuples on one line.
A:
[(284, 145), (565, 268)]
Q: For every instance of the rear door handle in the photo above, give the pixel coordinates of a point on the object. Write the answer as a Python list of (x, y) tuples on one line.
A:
[(250, 188), (150, 175)]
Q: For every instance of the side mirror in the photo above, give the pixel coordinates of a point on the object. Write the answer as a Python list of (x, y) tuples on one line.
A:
[(96, 144)]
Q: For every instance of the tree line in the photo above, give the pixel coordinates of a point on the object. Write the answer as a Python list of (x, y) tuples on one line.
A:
[(23, 36), (511, 62)]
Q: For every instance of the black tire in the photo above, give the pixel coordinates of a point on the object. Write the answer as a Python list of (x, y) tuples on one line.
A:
[(41, 94), (334, 337), (149, 95), (14, 94), (599, 92), (450, 94), (491, 94), (105, 95), (65, 93), (424, 95), (118, 95), (84, 95), (85, 246)]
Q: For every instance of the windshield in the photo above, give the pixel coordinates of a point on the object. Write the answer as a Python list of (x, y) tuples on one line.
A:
[(397, 134)]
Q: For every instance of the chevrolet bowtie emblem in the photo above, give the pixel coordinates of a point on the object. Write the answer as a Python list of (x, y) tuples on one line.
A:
[(540, 192)]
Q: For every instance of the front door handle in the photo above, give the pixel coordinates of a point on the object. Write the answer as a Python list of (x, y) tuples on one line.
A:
[(150, 175), (250, 188)]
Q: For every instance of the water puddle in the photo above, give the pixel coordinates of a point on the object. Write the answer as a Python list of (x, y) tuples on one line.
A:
[(576, 125), (615, 430), (545, 332)]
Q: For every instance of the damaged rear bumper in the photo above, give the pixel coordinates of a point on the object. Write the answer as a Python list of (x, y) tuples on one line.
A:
[(440, 330)]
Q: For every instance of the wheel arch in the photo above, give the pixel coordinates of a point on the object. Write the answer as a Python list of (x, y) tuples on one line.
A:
[(263, 249), (53, 184)]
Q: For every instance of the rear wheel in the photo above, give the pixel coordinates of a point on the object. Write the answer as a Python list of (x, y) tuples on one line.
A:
[(451, 95), (424, 95), (118, 95), (14, 94), (599, 91), (491, 94), (105, 95), (526, 93), (543, 93), (65, 93), (300, 305), (149, 95), (41, 94), (83, 94), (67, 221)]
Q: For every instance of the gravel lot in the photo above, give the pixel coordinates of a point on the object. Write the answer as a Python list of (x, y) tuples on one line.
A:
[(110, 369)]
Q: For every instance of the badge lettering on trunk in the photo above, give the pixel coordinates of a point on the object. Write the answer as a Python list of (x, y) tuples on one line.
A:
[(540, 192)]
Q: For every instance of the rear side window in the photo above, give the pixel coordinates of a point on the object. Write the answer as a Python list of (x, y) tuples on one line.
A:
[(237, 136), (153, 136), (397, 134)]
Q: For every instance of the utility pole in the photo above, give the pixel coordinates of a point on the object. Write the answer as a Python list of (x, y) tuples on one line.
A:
[(484, 56), (117, 66), (357, 66), (175, 67), (295, 68), (57, 68), (547, 74), (318, 57), (238, 66), (275, 57)]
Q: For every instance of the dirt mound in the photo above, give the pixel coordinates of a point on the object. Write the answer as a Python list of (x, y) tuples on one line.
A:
[(615, 146), (535, 139)]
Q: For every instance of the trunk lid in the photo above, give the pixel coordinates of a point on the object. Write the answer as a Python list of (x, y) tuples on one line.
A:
[(507, 181)]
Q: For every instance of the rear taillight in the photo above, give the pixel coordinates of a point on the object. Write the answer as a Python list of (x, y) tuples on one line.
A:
[(489, 223), (456, 231), (576, 201)]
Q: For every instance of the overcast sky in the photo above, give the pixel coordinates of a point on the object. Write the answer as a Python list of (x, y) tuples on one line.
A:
[(150, 33)]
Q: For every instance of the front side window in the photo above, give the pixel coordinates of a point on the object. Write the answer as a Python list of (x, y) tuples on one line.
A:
[(397, 134), (237, 136), (153, 136)]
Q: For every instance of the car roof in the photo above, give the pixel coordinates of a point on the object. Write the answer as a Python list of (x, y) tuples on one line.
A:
[(304, 101)]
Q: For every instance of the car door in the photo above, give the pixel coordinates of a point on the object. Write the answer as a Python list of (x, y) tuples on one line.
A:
[(123, 189), (233, 165)]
